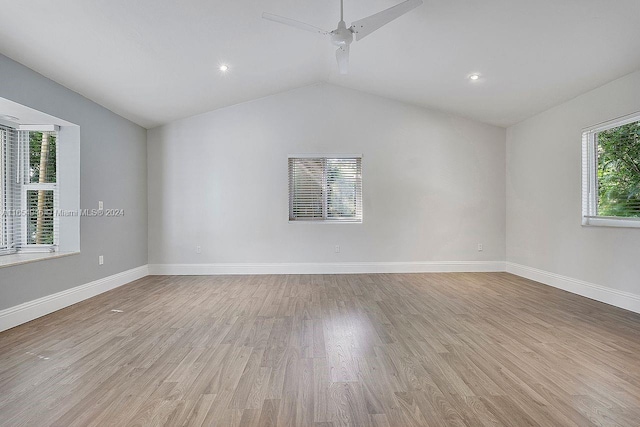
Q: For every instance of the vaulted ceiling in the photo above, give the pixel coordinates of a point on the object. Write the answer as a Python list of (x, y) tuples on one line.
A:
[(156, 61)]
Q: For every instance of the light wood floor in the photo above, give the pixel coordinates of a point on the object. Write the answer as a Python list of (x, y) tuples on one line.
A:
[(476, 349)]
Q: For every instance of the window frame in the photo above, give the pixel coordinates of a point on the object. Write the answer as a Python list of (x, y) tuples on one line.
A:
[(35, 247), (17, 228), (325, 204), (590, 215), (27, 186), (68, 182)]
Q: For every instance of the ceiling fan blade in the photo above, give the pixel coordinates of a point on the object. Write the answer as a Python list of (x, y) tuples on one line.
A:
[(368, 25), (342, 56), (294, 23)]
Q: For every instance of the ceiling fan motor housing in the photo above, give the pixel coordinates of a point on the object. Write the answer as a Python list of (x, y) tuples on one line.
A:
[(342, 35)]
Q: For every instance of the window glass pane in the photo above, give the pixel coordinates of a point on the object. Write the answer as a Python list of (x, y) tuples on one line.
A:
[(42, 157), (40, 218), (618, 171), (342, 180), (305, 178)]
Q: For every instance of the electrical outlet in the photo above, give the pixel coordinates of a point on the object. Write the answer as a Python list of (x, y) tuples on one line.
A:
[(198, 249), (480, 248), (101, 260), (100, 205), (337, 248)]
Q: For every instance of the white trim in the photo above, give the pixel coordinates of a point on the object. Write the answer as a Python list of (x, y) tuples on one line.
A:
[(619, 121), (39, 128), (607, 221), (25, 257), (30, 310), (621, 299), (326, 268)]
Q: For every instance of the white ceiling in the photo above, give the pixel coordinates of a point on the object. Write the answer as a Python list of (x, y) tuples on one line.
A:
[(156, 61)]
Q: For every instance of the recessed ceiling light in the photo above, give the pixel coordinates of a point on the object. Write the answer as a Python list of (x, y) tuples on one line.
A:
[(224, 67), (474, 77), (9, 118)]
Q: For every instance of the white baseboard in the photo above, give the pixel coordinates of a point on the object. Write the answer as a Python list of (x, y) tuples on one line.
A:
[(31, 310), (23, 313), (617, 298), (326, 268)]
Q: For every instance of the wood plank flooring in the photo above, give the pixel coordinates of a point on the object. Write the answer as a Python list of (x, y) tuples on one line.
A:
[(463, 349)]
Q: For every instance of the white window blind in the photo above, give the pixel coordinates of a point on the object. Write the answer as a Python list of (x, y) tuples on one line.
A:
[(11, 191), (325, 189), (28, 191), (611, 173)]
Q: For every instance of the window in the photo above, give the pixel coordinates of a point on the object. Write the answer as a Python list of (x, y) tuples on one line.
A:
[(28, 191), (325, 188), (611, 173)]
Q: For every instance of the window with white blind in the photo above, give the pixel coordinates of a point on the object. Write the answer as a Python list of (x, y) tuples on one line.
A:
[(325, 188), (611, 173), (28, 191)]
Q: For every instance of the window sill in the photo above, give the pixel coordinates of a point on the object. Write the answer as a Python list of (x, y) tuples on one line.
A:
[(320, 221), (610, 222), (19, 259)]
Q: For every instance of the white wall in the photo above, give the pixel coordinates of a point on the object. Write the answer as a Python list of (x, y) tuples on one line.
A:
[(544, 195), (433, 184)]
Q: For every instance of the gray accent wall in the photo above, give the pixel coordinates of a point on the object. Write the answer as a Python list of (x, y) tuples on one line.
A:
[(113, 168)]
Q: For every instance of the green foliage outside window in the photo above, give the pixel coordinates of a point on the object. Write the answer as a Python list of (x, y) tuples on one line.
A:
[(41, 203), (619, 171), (35, 155), (43, 235)]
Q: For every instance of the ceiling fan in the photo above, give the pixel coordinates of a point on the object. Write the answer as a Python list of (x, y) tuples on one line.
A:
[(343, 36)]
